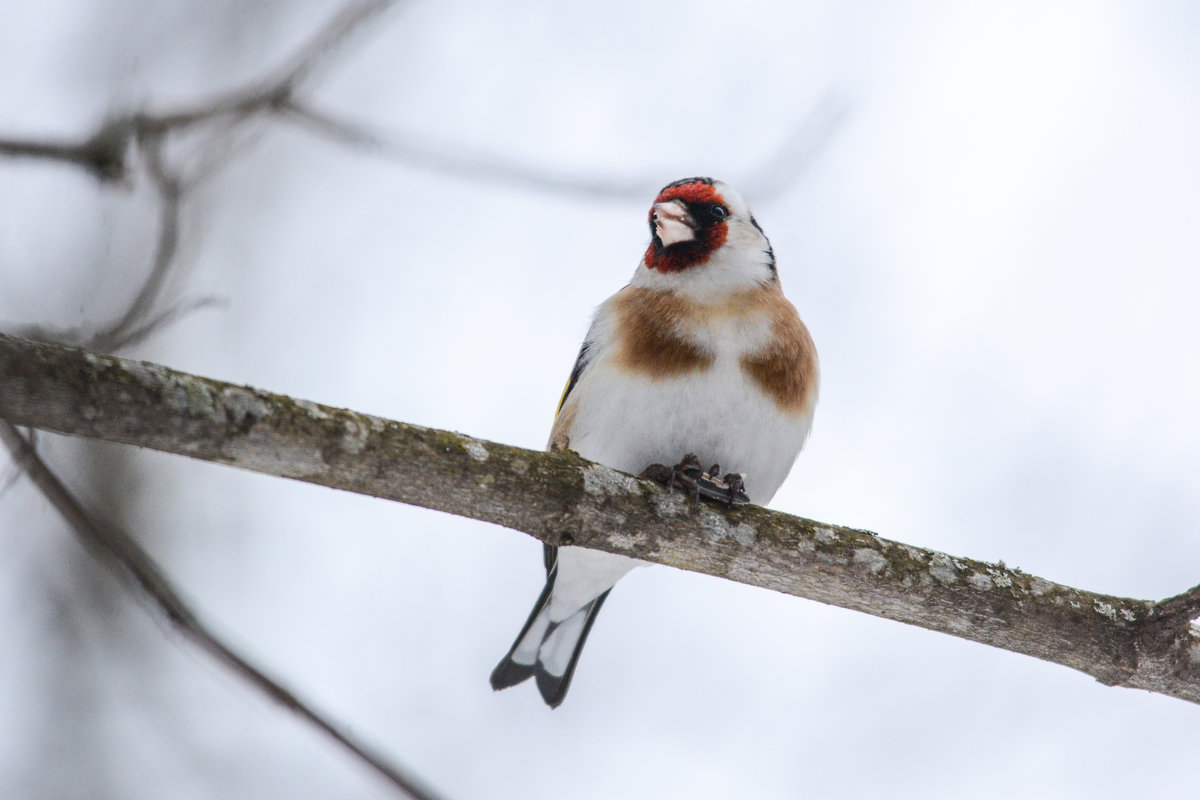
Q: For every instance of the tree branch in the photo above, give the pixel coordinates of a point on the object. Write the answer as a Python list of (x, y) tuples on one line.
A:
[(799, 149), (119, 549), (562, 499), (423, 153), (105, 152)]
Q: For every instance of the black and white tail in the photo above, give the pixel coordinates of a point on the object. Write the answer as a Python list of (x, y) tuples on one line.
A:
[(547, 650)]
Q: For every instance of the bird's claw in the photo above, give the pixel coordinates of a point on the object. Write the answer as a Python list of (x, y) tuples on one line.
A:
[(689, 476)]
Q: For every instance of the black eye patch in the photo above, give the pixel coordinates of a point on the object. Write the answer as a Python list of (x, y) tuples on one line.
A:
[(708, 213)]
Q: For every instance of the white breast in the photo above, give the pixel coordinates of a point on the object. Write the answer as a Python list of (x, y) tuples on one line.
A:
[(628, 421)]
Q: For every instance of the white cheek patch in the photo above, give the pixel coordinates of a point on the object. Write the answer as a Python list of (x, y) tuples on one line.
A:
[(672, 231)]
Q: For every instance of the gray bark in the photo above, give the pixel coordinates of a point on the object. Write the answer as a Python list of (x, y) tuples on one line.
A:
[(562, 499)]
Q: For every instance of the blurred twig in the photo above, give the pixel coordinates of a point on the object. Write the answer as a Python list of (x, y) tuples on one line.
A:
[(456, 162), (170, 197), (106, 152), (799, 148), (121, 552), (18, 468), (141, 137)]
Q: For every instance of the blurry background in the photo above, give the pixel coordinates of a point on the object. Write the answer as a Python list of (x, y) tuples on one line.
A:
[(986, 212)]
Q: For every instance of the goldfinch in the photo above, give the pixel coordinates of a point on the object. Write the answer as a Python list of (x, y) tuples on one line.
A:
[(700, 354)]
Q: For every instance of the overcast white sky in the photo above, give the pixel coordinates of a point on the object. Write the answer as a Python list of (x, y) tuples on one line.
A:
[(996, 252)]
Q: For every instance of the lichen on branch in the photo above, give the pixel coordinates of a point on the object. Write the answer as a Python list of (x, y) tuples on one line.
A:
[(560, 498)]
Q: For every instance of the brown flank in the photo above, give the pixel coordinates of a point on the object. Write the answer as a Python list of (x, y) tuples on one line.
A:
[(648, 321), (787, 368)]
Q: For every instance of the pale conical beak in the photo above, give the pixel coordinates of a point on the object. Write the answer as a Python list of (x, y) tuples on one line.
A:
[(673, 224)]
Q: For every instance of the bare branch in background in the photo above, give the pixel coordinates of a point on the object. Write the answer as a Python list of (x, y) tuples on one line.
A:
[(561, 499), (18, 467), (109, 154), (170, 197), (105, 153), (124, 555), (455, 162), (799, 148), (141, 139), (139, 319), (144, 330)]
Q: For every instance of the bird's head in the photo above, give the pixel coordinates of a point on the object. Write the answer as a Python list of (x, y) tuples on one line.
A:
[(702, 232)]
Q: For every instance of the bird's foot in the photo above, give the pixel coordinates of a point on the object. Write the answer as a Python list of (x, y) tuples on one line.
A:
[(684, 475), (689, 476), (733, 485)]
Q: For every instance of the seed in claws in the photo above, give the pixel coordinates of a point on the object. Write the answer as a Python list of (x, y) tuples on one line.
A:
[(689, 476)]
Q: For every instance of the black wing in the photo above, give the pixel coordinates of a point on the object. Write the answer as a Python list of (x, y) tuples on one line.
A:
[(581, 362), (550, 552)]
